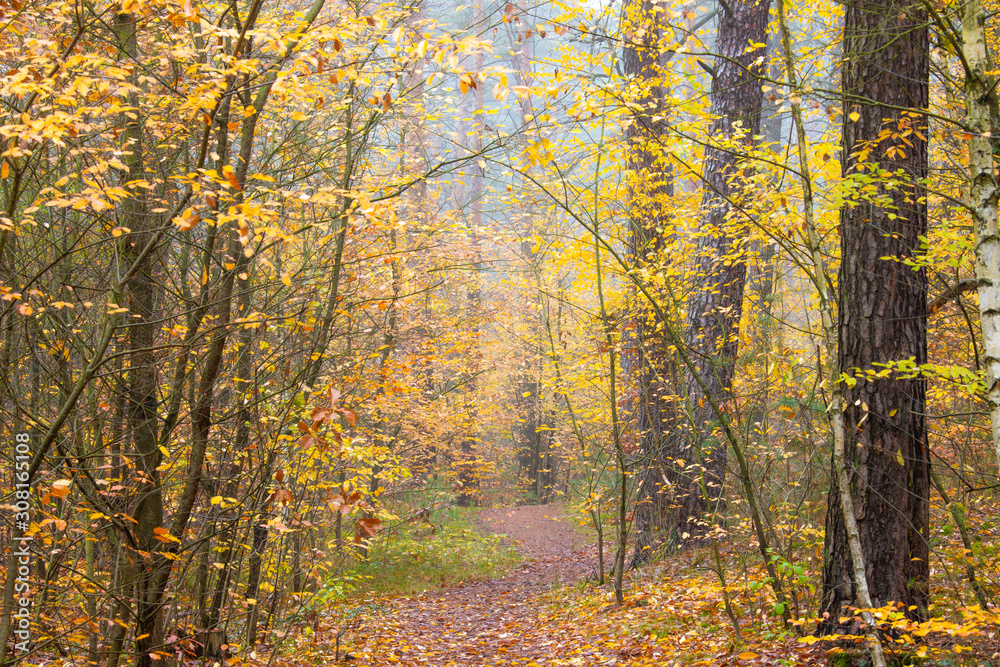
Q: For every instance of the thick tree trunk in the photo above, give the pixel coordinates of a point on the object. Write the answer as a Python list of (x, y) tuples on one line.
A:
[(646, 359), (696, 455), (882, 311)]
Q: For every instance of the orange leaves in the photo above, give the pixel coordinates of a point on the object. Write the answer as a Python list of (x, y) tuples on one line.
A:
[(60, 488), (230, 176), (187, 220), (320, 416), (466, 82), (384, 101), (163, 535), (283, 496)]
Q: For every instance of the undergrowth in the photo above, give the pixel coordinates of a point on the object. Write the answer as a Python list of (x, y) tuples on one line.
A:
[(446, 547)]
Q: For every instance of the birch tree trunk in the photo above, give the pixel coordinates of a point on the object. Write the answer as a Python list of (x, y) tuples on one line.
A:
[(983, 195)]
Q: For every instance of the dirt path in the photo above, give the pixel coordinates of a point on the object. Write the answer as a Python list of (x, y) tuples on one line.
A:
[(496, 621)]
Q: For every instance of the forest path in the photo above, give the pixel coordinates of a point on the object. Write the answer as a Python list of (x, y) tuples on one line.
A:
[(497, 621)]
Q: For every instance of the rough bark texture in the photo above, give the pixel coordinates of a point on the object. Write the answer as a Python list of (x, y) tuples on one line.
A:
[(645, 360), (882, 311), (716, 305)]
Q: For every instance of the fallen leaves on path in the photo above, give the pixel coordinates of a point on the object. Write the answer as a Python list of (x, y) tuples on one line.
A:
[(539, 615)]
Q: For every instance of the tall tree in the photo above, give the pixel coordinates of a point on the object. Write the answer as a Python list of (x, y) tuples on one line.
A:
[(882, 307), (647, 358), (981, 105), (695, 456)]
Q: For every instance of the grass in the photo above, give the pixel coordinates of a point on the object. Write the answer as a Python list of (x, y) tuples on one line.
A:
[(419, 557)]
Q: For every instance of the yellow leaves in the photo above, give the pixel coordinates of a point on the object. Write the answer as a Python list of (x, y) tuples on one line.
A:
[(286, 280), (748, 655), (539, 153), (118, 231), (137, 6), (24, 309), (5, 170), (117, 73), (854, 116), (500, 90)]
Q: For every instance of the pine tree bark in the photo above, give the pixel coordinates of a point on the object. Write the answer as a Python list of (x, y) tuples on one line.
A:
[(696, 455), (882, 311), (646, 359)]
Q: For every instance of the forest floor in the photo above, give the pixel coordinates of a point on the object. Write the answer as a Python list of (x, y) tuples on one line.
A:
[(493, 621), (542, 613), (548, 611)]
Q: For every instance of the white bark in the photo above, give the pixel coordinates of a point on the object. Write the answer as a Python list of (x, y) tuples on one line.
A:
[(983, 200)]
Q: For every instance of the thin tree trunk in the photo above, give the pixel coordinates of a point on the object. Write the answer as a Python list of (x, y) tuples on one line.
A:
[(980, 97), (253, 581), (143, 421)]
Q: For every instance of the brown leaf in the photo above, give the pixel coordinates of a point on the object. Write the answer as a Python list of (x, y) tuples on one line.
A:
[(350, 416)]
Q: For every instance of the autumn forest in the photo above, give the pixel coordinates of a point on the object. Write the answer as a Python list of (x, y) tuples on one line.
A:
[(604, 332)]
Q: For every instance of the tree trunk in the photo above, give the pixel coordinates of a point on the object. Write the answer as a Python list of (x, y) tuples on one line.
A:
[(980, 99), (696, 456), (468, 478), (646, 359), (143, 422), (253, 581), (882, 311)]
